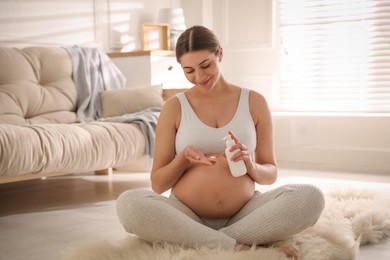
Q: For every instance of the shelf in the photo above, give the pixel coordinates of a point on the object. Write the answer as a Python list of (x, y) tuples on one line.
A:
[(141, 53)]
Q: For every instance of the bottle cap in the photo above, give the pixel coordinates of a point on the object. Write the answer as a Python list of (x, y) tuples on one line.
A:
[(229, 140)]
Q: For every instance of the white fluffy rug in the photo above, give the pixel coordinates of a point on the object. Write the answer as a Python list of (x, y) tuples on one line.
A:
[(351, 218)]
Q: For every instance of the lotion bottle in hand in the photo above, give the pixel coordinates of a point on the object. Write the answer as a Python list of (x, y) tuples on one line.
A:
[(238, 168)]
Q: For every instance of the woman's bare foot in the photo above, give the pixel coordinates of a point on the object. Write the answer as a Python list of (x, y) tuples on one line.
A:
[(241, 247), (288, 251)]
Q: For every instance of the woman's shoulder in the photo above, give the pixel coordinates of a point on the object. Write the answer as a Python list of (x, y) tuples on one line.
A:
[(258, 105), (252, 92), (256, 97), (171, 104), (171, 111)]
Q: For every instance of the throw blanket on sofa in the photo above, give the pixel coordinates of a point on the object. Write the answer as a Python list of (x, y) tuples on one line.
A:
[(147, 121), (93, 72)]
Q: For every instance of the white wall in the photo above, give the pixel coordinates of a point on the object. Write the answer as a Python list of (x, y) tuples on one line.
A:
[(42, 22), (358, 143), (107, 24)]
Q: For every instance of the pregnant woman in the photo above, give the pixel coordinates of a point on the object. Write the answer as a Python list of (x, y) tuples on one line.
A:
[(207, 206)]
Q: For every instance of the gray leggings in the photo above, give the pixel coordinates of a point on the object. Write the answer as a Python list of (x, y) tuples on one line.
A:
[(267, 217)]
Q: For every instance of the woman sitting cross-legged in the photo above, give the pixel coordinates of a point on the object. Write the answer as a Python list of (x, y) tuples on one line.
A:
[(208, 206)]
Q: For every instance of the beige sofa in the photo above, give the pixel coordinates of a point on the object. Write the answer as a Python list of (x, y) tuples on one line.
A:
[(39, 131)]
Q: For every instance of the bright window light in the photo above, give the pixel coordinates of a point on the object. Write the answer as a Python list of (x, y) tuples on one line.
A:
[(334, 56)]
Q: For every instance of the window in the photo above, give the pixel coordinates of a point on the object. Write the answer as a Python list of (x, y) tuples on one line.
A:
[(334, 56)]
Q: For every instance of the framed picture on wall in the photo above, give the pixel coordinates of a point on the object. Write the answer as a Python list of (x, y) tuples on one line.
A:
[(155, 36)]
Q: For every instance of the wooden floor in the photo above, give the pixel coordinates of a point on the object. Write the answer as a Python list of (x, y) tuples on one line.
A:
[(40, 218), (64, 192)]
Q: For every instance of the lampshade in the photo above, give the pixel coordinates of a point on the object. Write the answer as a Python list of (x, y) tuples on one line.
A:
[(172, 16)]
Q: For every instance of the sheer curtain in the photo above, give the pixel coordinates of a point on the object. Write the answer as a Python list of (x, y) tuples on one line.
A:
[(334, 56)]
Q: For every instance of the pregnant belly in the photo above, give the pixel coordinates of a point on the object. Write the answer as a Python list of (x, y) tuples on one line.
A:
[(212, 192)]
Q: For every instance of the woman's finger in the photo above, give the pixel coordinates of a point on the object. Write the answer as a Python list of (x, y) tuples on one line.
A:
[(236, 141)]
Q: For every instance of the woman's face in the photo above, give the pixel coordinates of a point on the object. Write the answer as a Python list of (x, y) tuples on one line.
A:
[(201, 68)]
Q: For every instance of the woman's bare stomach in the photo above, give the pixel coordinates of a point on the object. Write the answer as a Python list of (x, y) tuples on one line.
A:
[(212, 192)]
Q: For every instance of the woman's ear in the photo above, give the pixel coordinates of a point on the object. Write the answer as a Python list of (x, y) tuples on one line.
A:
[(220, 54)]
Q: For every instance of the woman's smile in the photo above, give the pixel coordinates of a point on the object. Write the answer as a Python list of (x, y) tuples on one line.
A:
[(205, 82)]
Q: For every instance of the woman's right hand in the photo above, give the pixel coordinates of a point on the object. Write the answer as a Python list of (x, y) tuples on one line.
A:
[(195, 156)]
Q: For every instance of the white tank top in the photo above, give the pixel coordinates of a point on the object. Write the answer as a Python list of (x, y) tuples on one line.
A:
[(192, 131)]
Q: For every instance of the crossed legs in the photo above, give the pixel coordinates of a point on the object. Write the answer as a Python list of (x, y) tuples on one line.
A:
[(268, 217)]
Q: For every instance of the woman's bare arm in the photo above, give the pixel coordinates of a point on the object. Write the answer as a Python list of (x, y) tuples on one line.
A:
[(167, 166), (263, 169)]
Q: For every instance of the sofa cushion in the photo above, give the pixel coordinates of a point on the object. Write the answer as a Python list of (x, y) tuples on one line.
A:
[(130, 100), (36, 86), (68, 148)]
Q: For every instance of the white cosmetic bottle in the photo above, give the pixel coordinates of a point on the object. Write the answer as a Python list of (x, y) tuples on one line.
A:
[(238, 168)]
